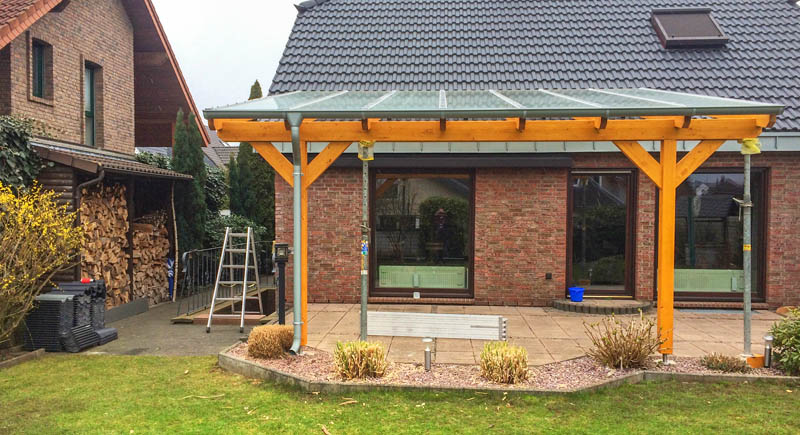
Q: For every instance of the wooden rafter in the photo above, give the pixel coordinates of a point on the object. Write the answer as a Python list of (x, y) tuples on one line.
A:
[(323, 160), (691, 161), (643, 160), (278, 161)]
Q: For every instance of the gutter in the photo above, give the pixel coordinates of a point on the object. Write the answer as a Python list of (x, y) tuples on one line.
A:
[(295, 119)]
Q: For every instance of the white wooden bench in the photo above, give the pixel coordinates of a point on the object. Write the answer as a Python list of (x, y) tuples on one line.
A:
[(427, 325)]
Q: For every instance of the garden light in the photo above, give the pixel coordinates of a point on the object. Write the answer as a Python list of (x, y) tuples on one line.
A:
[(427, 342), (768, 350)]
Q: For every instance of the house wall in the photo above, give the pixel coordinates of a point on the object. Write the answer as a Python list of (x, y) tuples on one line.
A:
[(97, 31), (521, 230), (5, 81)]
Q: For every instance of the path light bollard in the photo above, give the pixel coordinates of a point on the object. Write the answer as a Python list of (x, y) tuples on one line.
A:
[(768, 350), (281, 257), (427, 342)]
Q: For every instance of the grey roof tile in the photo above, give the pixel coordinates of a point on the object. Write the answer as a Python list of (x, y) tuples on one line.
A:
[(517, 44)]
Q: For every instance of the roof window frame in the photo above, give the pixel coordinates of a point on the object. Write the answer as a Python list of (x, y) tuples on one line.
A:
[(677, 42)]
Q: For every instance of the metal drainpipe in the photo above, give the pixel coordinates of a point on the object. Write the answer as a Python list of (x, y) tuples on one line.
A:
[(295, 119)]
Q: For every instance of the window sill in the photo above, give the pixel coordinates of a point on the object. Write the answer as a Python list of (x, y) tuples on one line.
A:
[(40, 100)]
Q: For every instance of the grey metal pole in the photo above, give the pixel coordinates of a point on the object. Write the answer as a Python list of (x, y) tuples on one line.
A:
[(364, 245), (746, 251), (294, 121)]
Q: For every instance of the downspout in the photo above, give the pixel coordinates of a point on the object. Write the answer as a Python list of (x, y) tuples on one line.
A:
[(295, 119)]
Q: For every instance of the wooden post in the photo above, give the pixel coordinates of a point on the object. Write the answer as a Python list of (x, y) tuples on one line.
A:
[(666, 245)]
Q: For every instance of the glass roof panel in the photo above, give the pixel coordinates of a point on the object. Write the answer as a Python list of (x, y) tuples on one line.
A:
[(609, 98), (685, 99), (346, 101), (537, 99), (475, 100), (409, 100)]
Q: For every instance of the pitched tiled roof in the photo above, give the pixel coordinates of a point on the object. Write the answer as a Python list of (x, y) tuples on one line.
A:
[(18, 15), (477, 44)]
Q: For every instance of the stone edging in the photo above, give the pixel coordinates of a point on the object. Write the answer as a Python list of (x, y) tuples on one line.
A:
[(588, 308), (250, 369), (38, 353)]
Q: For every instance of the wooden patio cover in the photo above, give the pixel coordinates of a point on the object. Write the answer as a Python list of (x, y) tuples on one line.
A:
[(622, 116)]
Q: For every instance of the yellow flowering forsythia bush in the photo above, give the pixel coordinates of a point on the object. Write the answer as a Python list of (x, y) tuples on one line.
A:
[(37, 239)]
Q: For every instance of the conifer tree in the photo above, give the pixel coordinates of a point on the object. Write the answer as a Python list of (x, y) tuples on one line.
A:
[(233, 185), (190, 203)]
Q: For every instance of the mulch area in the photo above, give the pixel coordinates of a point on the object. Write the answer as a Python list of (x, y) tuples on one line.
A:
[(692, 365)]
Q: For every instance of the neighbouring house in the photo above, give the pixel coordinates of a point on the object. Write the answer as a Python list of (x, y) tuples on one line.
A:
[(514, 223), (101, 78)]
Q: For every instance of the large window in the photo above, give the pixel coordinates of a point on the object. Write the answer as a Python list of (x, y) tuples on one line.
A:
[(89, 105), (601, 223), (708, 233), (423, 234)]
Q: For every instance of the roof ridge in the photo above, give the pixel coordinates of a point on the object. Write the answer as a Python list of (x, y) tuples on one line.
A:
[(307, 5)]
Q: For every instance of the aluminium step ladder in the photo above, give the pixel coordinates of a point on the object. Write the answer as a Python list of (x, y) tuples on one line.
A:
[(229, 264)]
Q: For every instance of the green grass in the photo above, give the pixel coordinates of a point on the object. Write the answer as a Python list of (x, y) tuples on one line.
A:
[(138, 394)]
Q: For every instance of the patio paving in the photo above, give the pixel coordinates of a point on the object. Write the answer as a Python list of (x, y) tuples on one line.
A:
[(549, 335)]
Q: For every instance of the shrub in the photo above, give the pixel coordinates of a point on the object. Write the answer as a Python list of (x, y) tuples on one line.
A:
[(725, 363), (787, 342), (503, 363), (37, 239), (620, 345), (215, 229), (19, 163), (360, 359), (269, 341)]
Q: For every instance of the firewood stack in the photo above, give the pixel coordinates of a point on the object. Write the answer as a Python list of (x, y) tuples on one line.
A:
[(150, 250), (104, 217)]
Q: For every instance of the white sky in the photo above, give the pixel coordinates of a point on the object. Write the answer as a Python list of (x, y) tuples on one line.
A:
[(223, 47)]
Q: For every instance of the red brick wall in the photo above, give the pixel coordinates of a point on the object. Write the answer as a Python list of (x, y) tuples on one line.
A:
[(334, 234), (520, 230), (5, 80), (97, 31), (520, 235)]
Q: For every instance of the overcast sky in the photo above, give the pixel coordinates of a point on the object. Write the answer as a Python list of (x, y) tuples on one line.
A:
[(223, 47)]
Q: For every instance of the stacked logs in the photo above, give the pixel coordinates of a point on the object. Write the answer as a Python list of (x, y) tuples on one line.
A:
[(104, 217), (150, 250)]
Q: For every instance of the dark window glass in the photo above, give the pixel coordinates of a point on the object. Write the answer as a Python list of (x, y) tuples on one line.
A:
[(708, 232), (89, 105), (599, 231), (39, 68), (423, 233)]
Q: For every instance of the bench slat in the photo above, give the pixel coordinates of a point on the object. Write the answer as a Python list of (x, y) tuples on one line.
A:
[(464, 326)]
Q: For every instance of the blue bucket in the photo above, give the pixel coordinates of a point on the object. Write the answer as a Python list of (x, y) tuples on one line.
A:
[(576, 294)]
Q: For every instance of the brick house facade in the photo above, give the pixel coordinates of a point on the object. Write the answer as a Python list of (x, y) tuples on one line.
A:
[(521, 231)]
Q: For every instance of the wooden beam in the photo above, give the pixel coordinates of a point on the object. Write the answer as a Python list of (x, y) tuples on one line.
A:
[(279, 163), (680, 121), (762, 121), (323, 161), (641, 158), (666, 246), (691, 161), (521, 124), (491, 131), (599, 122)]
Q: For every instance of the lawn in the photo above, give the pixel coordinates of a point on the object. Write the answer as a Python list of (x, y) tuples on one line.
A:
[(141, 394)]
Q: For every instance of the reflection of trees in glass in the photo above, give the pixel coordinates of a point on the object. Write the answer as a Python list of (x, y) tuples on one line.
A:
[(395, 211), (603, 227), (444, 235)]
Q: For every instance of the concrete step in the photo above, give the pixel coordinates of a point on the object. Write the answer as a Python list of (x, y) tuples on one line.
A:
[(603, 306)]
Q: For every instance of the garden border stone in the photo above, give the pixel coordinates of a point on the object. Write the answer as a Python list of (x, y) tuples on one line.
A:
[(254, 370), (34, 354)]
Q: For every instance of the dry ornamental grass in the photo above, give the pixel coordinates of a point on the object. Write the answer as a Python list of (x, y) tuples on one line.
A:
[(724, 363), (620, 345), (360, 359), (503, 363), (269, 341)]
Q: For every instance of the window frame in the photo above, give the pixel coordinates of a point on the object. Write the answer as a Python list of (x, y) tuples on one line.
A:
[(374, 290), (674, 42), (759, 292), (40, 71), (89, 71)]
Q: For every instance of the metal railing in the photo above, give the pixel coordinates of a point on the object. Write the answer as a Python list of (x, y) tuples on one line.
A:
[(199, 273)]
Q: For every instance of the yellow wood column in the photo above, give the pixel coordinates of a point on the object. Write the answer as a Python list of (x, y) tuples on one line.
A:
[(304, 245), (666, 245)]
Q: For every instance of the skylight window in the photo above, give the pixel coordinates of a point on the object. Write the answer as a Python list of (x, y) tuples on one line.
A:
[(687, 28)]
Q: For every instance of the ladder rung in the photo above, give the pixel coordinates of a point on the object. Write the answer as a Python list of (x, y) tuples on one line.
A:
[(237, 282), (234, 316), (249, 298), (237, 266), (236, 250), (238, 234)]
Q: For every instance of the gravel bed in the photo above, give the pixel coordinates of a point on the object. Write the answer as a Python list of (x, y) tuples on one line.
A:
[(317, 365), (692, 365)]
